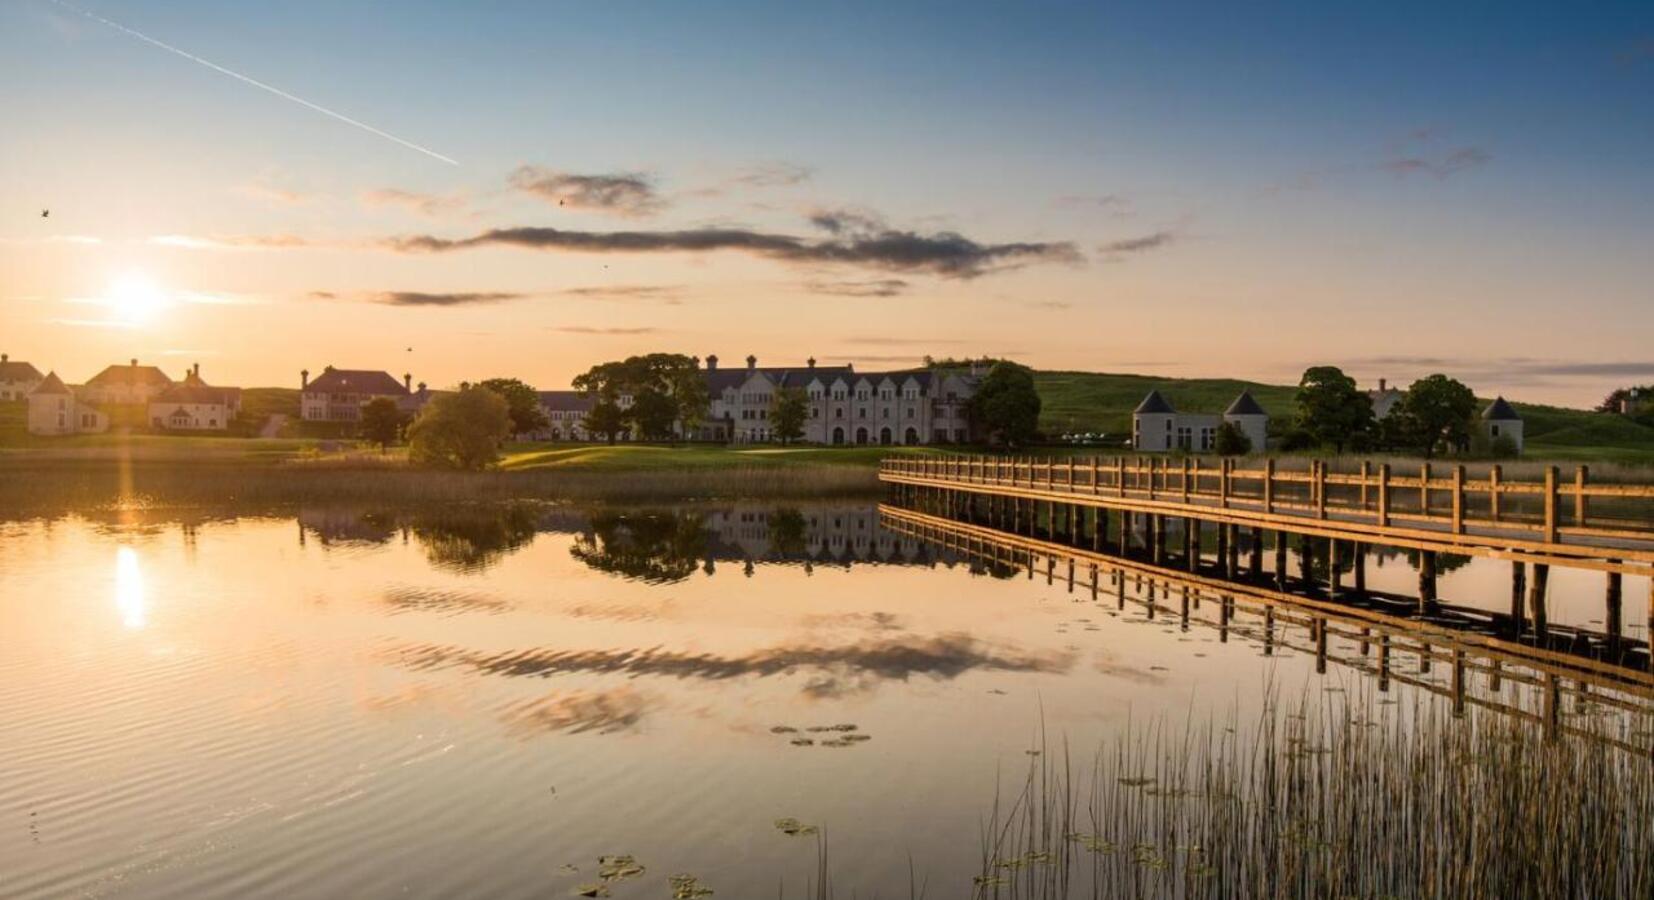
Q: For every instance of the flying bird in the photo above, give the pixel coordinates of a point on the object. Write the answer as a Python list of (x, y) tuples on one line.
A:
[(132, 32), (45, 213)]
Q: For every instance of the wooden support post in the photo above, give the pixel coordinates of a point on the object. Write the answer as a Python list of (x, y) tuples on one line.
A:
[(1366, 471), (1183, 481), (1613, 616), (1360, 564), (1223, 548), (1191, 543), (1280, 560), (1125, 532), (1269, 631), (1384, 664), (1332, 569), (1156, 544), (1458, 683), (1553, 705), (1183, 611), (1320, 489), (1320, 627), (1537, 602), (1071, 574), (1152, 466), (1268, 486), (1306, 564), (1427, 582), (1231, 564), (1494, 476), (1518, 581), (1223, 483), (1120, 475), (1255, 548), (1424, 489), (1096, 481)]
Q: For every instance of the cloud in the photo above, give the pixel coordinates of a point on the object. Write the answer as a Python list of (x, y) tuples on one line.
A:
[(1127, 246), (605, 712), (232, 242), (421, 298), (879, 287), (664, 293), (1513, 368), (1459, 160), (626, 193), (589, 329), (423, 204), (772, 174), (946, 254), (846, 221), (1118, 205), (883, 341)]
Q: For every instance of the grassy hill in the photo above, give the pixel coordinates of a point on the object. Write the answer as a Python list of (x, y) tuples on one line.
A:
[(1101, 402)]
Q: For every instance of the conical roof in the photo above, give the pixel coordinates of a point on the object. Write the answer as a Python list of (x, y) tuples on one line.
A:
[(52, 385), (1500, 411), (1154, 403), (1244, 405)]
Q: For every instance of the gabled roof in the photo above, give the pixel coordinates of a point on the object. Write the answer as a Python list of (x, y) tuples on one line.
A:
[(1244, 405), (52, 385), (129, 376), (720, 380), (1153, 403), (1500, 411), (356, 381), (18, 371), (196, 393), (566, 401)]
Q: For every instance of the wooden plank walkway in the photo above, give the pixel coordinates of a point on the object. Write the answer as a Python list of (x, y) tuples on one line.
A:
[(1570, 522)]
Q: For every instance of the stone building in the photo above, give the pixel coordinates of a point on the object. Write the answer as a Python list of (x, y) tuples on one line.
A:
[(194, 405), (1156, 427), (128, 385), (57, 409), (17, 379), (338, 395), (1500, 420)]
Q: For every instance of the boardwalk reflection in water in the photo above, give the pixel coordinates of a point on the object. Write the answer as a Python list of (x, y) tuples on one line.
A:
[(465, 700)]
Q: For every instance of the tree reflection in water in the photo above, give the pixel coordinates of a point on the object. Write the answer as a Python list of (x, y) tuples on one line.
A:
[(658, 547), (470, 539)]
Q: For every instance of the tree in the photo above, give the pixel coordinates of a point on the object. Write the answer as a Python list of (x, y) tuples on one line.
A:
[(462, 430), (523, 403), (1006, 405), (1231, 440), (1331, 408), (1436, 412), (788, 410), (606, 418), (382, 422), (664, 388)]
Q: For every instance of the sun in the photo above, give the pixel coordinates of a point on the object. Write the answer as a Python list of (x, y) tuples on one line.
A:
[(133, 298)]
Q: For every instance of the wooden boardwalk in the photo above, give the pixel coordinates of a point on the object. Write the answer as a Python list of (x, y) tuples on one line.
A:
[(1572, 522), (1550, 686)]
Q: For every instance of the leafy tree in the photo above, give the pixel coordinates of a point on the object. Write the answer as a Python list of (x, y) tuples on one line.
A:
[(1006, 405), (1502, 447), (1436, 412), (462, 430), (663, 387), (788, 411), (606, 418), (523, 403), (1230, 440), (382, 422), (1331, 408)]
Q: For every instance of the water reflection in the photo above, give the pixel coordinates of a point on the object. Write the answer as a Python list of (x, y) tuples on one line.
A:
[(129, 588)]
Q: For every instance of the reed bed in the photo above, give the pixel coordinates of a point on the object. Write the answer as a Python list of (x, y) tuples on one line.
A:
[(1331, 798)]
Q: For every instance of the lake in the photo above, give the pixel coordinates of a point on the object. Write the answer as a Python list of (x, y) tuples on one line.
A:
[(486, 701)]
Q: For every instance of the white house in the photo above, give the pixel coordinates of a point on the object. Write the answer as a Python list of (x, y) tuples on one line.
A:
[(56, 409), (1156, 427), (1500, 420), (338, 395), (565, 416), (17, 379), (1384, 399), (194, 405)]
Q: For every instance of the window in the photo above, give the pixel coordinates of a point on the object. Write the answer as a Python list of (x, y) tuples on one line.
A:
[(861, 413), (861, 394), (884, 394)]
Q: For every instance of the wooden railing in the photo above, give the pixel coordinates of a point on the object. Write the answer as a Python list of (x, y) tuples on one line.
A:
[(1552, 507)]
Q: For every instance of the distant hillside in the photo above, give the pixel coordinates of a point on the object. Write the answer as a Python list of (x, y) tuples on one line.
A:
[(1101, 402)]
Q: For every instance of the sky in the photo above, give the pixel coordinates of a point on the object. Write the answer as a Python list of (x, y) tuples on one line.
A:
[(462, 191)]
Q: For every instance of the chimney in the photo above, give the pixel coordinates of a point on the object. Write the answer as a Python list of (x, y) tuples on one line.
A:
[(4, 357), (407, 382), (422, 387), (811, 362), (304, 379), (752, 362), (134, 363), (197, 371), (712, 362), (1381, 385)]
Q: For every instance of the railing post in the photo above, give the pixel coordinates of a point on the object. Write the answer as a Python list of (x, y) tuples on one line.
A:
[(1550, 503), (1424, 490), (1120, 474), (1185, 481), (1151, 477), (1223, 483), (1383, 495), (1366, 470), (1071, 474), (1493, 476), (1268, 486), (1581, 475), (1320, 489), (1458, 499), (1096, 486)]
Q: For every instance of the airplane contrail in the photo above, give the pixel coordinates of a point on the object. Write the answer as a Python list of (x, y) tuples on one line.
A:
[(256, 83)]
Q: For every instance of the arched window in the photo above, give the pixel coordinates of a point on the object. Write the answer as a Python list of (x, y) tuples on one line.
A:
[(912, 436), (838, 435), (884, 436), (861, 435)]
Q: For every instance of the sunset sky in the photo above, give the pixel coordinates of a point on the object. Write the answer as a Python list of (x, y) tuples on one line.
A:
[(528, 188)]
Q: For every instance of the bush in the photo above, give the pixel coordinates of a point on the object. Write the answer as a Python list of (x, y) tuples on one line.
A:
[(1231, 441), (463, 430)]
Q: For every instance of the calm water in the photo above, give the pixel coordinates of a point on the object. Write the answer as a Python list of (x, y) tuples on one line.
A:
[(361, 703)]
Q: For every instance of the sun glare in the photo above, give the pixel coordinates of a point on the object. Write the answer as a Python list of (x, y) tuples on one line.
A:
[(135, 299), (129, 588)]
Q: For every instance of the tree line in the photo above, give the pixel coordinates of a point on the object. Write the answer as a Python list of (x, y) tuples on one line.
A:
[(1436, 414)]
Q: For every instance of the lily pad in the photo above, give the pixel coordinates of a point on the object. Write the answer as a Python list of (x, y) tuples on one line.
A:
[(793, 828)]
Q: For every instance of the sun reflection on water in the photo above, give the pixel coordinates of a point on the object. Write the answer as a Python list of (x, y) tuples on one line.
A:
[(129, 588)]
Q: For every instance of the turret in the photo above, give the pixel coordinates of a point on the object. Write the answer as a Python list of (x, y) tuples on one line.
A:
[(712, 362), (752, 362), (304, 379)]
